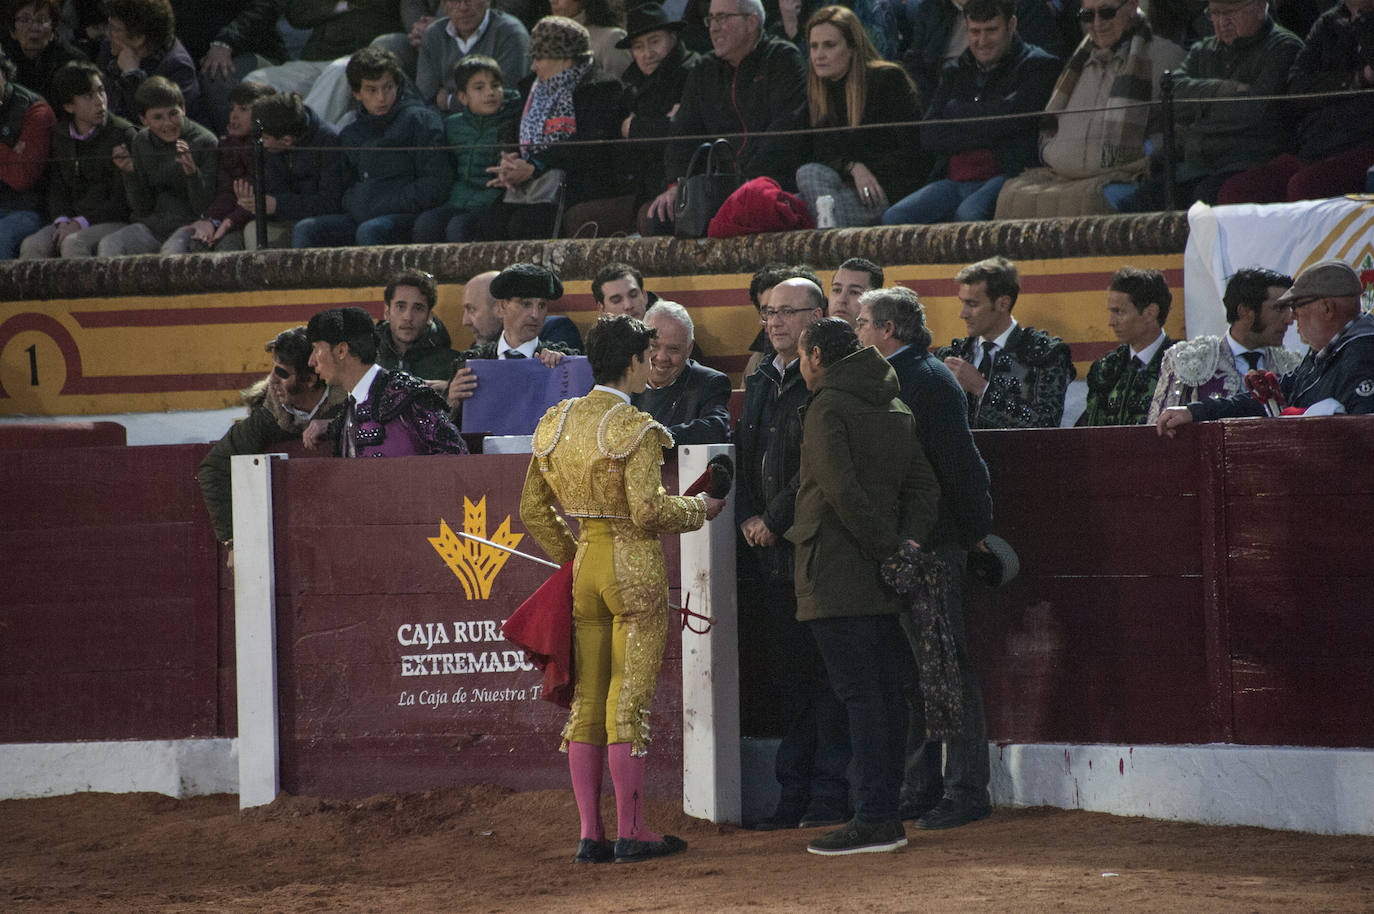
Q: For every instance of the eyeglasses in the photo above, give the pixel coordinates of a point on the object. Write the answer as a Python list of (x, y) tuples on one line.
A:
[(281, 372), (768, 314), (1296, 303), (1105, 13), (1217, 15), (27, 21), (722, 18)]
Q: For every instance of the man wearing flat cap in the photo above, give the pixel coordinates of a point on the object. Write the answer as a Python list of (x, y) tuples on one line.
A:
[(1325, 300), (387, 413), (522, 292)]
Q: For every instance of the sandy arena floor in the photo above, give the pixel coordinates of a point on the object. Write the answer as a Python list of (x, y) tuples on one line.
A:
[(485, 849)]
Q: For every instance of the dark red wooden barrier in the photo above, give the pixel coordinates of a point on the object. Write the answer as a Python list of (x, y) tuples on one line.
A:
[(108, 614), (1214, 587), (1211, 588), (35, 436)]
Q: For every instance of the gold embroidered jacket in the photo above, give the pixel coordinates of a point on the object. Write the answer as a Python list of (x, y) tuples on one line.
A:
[(600, 458)]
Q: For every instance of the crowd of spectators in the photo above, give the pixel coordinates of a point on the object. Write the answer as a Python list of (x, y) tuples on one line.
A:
[(463, 120)]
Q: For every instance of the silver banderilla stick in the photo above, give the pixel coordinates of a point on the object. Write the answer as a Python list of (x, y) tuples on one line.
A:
[(523, 555), (710, 620)]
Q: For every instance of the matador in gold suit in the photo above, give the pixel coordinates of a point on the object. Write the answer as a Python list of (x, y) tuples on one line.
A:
[(600, 458)]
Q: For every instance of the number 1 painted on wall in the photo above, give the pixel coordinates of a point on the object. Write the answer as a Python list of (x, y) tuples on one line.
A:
[(33, 365)]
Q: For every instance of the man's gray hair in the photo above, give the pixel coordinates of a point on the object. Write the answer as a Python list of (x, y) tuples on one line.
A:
[(673, 311), (902, 308), (754, 8)]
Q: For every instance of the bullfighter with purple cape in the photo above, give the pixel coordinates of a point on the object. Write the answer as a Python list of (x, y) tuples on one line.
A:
[(388, 413)]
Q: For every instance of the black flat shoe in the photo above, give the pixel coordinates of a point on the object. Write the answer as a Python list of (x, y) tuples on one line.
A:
[(952, 814), (590, 850), (628, 850)]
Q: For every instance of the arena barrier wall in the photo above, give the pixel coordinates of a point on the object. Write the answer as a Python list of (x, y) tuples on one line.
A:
[(152, 333), (1183, 608)]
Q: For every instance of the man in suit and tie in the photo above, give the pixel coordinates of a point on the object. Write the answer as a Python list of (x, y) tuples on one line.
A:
[(1014, 376), (387, 413), (691, 400), (1122, 382), (521, 293), (1215, 366)]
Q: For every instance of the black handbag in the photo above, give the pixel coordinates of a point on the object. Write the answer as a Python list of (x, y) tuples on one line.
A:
[(699, 195)]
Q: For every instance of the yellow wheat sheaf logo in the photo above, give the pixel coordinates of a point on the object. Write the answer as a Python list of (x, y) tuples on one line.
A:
[(475, 564)]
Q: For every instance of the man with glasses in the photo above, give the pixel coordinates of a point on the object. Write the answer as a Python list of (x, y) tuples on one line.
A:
[(1336, 376), (1335, 134), (1248, 56), (752, 83), (1100, 124), (814, 752)]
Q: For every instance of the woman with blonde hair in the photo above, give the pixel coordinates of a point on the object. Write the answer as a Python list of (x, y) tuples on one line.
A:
[(849, 85)]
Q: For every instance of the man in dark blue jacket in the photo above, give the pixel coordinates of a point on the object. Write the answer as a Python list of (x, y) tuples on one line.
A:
[(999, 74), (893, 322), (301, 183), (396, 167)]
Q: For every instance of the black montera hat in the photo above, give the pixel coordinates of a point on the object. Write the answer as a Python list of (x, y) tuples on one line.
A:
[(526, 280), (651, 17), (998, 565), (339, 325)]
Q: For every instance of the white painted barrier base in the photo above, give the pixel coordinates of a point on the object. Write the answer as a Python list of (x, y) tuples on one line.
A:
[(177, 768), (1325, 791)]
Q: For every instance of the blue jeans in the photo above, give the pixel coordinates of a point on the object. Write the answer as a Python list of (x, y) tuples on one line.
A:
[(339, 230), (864, 657), (447, 223), (947, 201), (15, 226)]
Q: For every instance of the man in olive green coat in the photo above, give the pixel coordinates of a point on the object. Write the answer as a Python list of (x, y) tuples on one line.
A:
[(866, 488)]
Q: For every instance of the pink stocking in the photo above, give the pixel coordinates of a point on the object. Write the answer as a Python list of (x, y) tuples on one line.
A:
[(627, 774), (587, 762)]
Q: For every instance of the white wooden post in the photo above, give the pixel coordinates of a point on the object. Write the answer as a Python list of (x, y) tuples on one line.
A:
[(710, 662), (255, 628)]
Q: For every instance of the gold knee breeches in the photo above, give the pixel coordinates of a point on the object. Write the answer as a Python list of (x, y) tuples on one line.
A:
[(620, 626)]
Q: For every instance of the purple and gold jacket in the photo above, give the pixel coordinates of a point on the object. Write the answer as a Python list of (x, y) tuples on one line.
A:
[(401, 417)]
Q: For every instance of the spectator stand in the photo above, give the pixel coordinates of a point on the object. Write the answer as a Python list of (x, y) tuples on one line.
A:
[(150, 334)]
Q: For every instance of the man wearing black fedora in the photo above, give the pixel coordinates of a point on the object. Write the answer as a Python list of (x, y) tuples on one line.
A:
[(652, 94)]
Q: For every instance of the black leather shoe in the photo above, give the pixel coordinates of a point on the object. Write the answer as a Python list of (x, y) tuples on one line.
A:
[(952, 814), (914, 809), (777, 822), (590, 850), (628, 850)]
